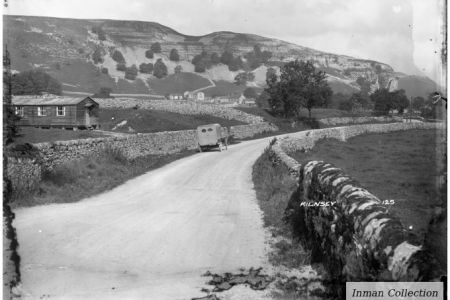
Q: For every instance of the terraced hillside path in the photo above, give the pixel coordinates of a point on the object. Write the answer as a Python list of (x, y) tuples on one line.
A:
[(152, 237)]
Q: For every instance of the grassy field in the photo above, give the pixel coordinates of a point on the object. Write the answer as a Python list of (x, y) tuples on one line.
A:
[(224, 88), (178, 83), (141, 120), (87, 177), (402, 166)]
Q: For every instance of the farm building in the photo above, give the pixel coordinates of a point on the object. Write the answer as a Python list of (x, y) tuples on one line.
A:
[(176, 96), (54, 111)]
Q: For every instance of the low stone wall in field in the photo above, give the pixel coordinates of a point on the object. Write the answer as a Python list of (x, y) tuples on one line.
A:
[(245, 131), (357, 237), (358, 120), (131, 146), (24, 173), (182, 107)]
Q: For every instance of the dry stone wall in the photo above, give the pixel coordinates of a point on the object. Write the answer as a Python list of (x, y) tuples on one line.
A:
[(360, 240), (182, 107), (245, 131), (356, 235), (24, 174), (358, 120), (131, 146)]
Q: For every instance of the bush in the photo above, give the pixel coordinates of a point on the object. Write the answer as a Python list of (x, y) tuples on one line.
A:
[(121, 67), (100, 33), (34, 82), (104, 70), (118, 57), (156, 47), (104, 92), (174, 56), (149, 54), (146, 68)]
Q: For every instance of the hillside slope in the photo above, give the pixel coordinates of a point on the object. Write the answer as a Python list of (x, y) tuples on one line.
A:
[(65, 49)]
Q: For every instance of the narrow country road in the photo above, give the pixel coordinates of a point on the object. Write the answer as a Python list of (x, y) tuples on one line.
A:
[(150, 238)]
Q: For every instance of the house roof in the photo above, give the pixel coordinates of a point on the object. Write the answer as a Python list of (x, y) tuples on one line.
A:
[(47, 100)]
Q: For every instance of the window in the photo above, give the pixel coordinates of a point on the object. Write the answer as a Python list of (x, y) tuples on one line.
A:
[(60, 111), (19, 110), (41, 111)]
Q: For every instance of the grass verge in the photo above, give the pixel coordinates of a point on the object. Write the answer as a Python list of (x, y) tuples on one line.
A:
[(86, 177), (274, 187)]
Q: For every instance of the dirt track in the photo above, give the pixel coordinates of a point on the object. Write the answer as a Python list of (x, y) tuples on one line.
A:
[(150, 238)]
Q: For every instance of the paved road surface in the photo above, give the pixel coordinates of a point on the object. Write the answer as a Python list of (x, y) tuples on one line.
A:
[(150, 238)]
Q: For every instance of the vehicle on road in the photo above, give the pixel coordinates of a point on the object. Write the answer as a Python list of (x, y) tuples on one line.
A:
[(212, 136)]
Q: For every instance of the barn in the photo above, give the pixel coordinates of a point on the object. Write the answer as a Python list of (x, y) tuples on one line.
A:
[(55, 111)]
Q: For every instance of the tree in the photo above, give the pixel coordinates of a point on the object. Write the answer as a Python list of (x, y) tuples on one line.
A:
[(118, 57), (149, 54), (235, 64), (174, 56), (156, 47), (250, 93), (159, 69), (100, 33), (400, 100), (200, 66), (146, 68), (257, 57), (97, 56), (215, 59), (34, 82), (131, 72), (382, 102), (178, 69), (121, 67), (418, 103), (243, 77), (299, 86), (226, 58), (364, 84), (104, 70), (10, 128), (104, 92)]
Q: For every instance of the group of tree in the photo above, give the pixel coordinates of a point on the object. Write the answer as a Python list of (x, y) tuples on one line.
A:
[(205, 61), (385, 102), (34, 82), (364, 86), (174, 56), (429, 108), (146, 68), (356, 102), (300, 86), (243, 77), (257, 57), (100, 32)]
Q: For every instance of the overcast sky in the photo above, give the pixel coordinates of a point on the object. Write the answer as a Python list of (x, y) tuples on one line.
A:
[(403, 33)]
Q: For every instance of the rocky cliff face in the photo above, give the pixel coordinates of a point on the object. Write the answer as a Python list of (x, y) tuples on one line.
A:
[(65, 47)]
